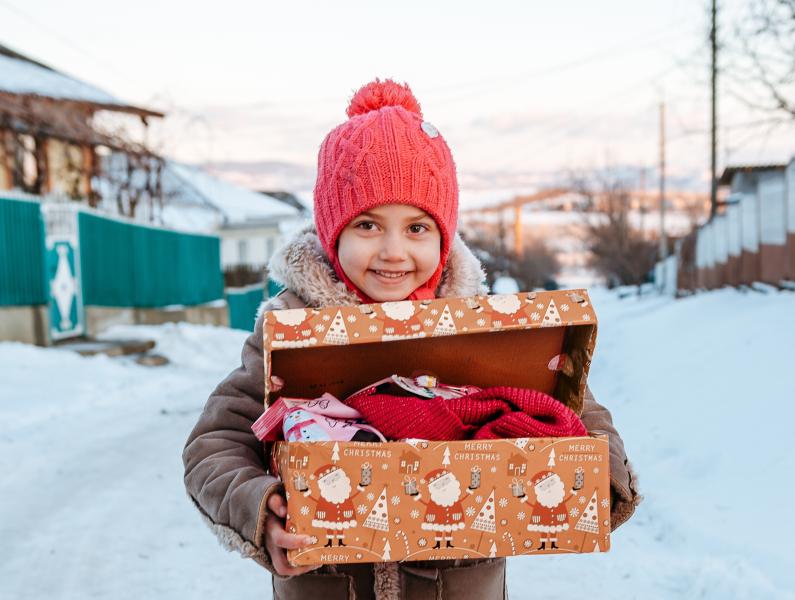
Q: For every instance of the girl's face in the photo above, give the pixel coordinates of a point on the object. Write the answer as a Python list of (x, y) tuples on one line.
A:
[(389, 251)]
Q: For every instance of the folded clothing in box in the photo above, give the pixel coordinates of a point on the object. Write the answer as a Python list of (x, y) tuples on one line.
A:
[(496, 412)]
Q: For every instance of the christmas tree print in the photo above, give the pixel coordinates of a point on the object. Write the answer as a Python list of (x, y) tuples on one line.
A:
[(446, 457), (335, 453), (445, 325), (552, 316), (493, 550), (521, 443), (486, 521), (378, 519), (551, 461), (589, 520), (337, 333), (386, 556)]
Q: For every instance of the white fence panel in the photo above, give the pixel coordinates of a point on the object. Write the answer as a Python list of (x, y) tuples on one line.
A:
[(749, 215), (772, 212)]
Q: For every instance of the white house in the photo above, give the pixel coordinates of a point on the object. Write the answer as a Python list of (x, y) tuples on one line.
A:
[(251, 224)]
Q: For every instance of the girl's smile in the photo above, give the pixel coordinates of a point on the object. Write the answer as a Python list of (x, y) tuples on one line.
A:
[(390, 251)]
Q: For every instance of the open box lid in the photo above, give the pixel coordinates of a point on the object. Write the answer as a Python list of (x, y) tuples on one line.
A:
[(536, 340)]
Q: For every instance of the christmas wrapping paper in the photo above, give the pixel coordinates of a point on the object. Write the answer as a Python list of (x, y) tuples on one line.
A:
[(394, 501)]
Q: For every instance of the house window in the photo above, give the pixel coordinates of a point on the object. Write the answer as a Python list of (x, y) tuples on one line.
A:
[(269, 246), (242, 252)]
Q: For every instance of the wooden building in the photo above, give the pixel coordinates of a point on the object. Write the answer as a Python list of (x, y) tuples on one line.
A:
[(52, 140)]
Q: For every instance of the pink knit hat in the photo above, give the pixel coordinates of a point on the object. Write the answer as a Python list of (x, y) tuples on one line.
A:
[(385, 153)]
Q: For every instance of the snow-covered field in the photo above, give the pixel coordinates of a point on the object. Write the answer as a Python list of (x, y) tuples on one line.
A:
[(92, 503)]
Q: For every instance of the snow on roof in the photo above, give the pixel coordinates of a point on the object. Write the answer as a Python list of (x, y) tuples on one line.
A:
[(19, 76), (238, 205)]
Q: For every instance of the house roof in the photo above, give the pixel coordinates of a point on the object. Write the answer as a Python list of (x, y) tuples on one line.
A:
[(239, 206), (23, 76), (729, 172), (288, 198)]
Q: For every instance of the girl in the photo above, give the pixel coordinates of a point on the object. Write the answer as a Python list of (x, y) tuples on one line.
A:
[(386, 203)]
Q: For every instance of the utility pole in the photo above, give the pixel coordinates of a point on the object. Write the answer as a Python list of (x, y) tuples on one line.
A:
[(663, 243), (517, 229), (642, 201), (713, 37)]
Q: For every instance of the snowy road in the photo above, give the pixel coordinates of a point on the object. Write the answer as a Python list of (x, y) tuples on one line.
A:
[(93, 506)]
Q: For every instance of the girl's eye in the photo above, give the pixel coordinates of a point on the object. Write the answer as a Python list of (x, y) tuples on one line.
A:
[(365, 225), (418, 228)]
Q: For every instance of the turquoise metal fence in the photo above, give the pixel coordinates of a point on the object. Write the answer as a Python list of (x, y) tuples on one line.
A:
[(123, 264), (243, 304), (22, 279), (273, 288)]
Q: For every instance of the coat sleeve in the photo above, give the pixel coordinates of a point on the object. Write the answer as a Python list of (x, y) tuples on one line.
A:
[(623, 482), (225, 465)]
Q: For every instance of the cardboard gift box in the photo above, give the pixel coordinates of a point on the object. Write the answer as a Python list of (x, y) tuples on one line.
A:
[(426, 500)]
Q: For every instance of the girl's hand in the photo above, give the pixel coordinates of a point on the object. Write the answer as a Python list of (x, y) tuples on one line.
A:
[(277, 540), (277, 383)]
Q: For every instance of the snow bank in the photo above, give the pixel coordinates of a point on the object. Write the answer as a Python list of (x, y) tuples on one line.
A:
[(700, 389)]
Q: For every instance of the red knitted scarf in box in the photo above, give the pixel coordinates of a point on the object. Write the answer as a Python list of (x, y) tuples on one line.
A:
[(497, 412)]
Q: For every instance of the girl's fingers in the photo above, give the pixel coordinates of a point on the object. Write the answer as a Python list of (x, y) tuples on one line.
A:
[(277, 505), (276, 540), (277, 383), (282, 539)]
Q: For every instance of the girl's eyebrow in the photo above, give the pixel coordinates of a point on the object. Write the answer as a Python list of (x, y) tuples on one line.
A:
[(416, 217)]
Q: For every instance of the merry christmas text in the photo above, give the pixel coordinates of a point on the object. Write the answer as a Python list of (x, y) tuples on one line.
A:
[(368, 452), (581, 453)]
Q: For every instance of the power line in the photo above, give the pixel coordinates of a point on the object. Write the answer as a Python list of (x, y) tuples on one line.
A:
[(488, 85), (63, 39)]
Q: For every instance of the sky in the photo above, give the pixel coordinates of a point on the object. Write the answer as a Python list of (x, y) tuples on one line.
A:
[(522, 91)]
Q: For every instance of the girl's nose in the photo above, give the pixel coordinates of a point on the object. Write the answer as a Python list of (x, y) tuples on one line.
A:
[(393, 247)]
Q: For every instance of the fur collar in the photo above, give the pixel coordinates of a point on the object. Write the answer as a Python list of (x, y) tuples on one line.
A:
[(303, 267)]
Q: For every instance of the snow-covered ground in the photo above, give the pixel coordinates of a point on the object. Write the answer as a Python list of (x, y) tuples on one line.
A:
[(92, 501)]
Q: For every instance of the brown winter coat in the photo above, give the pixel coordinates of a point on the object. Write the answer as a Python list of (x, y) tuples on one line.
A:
[(225, 465)]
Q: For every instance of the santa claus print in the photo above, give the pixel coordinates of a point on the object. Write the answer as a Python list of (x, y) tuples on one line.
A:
[(334, 509), (550, 515), (444, 512), (506, 309), (291, 329), (401, 320)]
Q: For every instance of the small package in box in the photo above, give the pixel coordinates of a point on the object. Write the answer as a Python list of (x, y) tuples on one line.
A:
[(426, 500)]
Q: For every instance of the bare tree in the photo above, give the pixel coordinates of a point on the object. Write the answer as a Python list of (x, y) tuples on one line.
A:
[(763, 57), (534, 268), (620, 253)]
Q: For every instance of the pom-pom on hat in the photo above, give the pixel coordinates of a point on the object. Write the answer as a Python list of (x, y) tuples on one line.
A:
[(385, 153)]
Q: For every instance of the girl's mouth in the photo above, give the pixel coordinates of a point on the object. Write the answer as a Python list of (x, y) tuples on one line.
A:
[(390, 276)]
